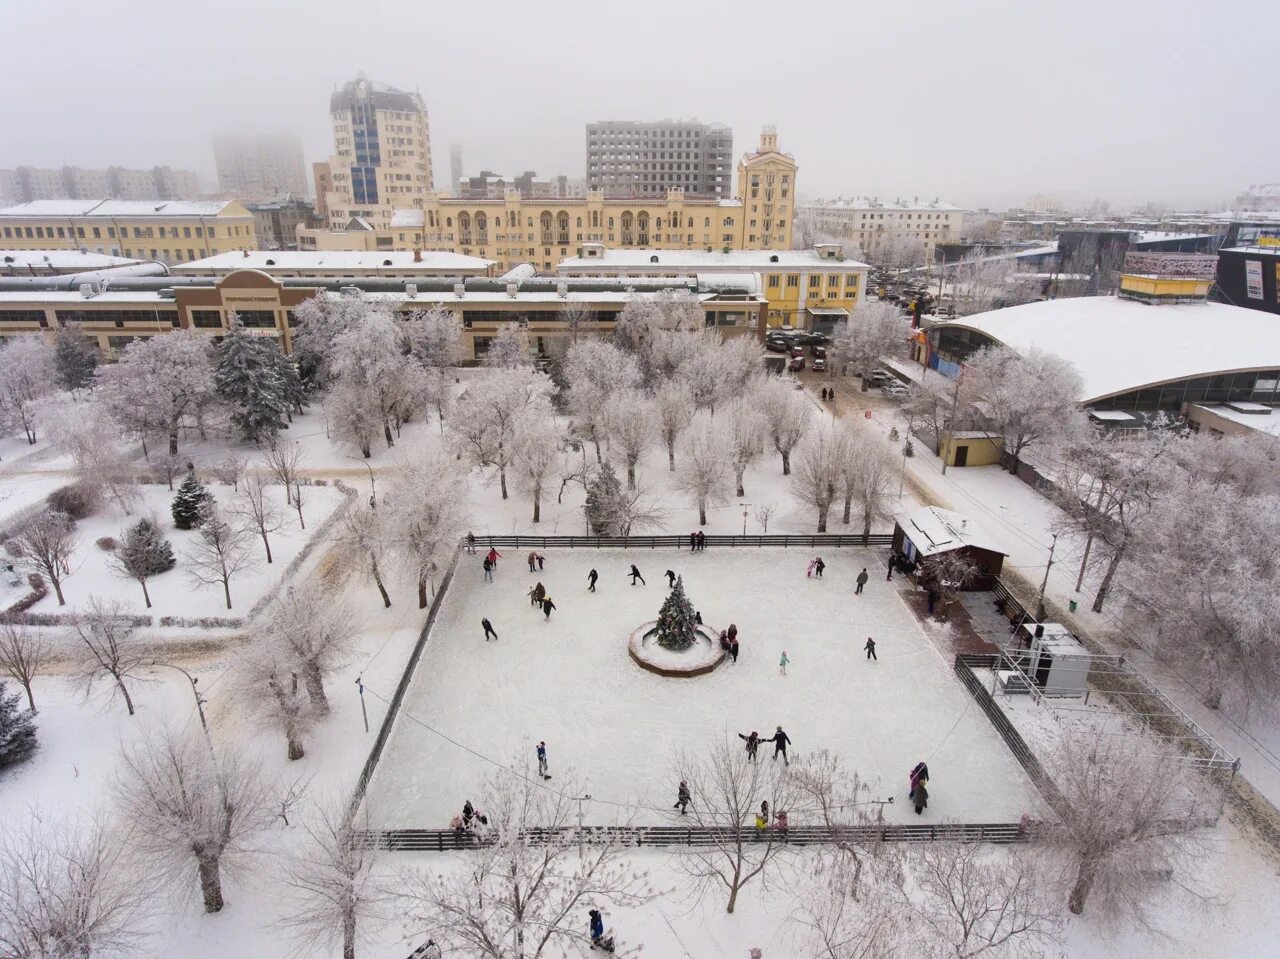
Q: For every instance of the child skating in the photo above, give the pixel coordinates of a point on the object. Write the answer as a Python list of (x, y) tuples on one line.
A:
[(783, 663), (541, 750)]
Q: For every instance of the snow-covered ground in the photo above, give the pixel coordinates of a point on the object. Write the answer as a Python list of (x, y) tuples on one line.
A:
[(569, 681)]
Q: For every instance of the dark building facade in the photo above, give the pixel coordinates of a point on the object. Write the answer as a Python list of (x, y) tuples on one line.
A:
[(1249, 276)]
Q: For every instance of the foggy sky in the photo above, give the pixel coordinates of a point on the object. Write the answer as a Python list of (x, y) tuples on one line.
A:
[(979, 102)]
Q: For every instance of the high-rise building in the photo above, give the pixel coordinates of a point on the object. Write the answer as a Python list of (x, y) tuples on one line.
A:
[(455, 163), (260, 166), (631, 158), (27, 184), (382, 153), (322, 177)]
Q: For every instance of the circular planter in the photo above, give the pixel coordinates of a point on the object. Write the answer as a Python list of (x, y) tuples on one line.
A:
[(700, 658)]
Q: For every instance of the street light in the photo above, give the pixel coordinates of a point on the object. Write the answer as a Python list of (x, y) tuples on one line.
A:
[(373, 486), (193, 680)]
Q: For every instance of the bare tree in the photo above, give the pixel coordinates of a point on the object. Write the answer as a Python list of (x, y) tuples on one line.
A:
[(105, 631), (221, 551), (66, 890), (293, 794), (516, 897), (787, 414), (191, 806), (579, 319), (492, 411), (703, 473), (932, 400), (428, 509), (166, 466), (877, 330), (630, 420), (726, 789), (269, 674), (46, 543), (317, 628), (257, 512), (539, 446), (90, 436), (867, 473), (744, 438), (230, 469), (763, 513), (285, 461), (817, 470), (23, 655), (946, 574), (1133, 814), (363, 537), (674, 404)]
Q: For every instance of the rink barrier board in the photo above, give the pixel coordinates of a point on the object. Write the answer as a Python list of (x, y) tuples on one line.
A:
[(834, 540)]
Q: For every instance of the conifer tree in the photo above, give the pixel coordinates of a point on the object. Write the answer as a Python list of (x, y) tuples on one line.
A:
[(604, 495), (190, 498), (677, 627), (142, 553), (294, 392), (17, 730), (247, 376), (75, 359)]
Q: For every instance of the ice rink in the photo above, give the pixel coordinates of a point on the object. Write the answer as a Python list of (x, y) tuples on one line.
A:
[(570, 682)]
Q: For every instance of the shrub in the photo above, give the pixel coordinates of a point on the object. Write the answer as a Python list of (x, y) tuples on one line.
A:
[(38, 592), (78, 500), (106, 543), (320, 482)]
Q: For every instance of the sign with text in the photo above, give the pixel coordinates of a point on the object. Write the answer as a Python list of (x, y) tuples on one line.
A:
[(1253, 278)]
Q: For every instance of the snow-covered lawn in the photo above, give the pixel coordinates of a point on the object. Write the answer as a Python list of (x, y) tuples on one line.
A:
[(17, 493), (570, 681), (173, 593)]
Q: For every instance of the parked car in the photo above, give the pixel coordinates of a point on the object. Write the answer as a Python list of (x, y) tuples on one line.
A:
[(796, 364), (878, 376), (812, 339), (819, 365), (775, 345), (819, 352), (797, 351), (893, 388)]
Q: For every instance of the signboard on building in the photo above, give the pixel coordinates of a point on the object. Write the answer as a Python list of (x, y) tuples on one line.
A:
[(1188, 265), (1253, 278)]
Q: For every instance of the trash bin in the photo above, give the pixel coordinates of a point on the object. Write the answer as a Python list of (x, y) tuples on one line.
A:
[(1073, 605)]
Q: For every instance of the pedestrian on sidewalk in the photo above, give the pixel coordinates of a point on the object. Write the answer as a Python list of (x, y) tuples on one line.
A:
[(635, 574), (591, 581), (488, 569), (893, 561), (870, 647), (861, 581), (488, 629)]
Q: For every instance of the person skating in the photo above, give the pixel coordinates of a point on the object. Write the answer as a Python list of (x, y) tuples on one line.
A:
[(702, 541), (697, 617), (471, 542), (818, 567), (733, 648), (870, 647), (541, 750), (724, 640), (921, 797), (533, 562), (682, 797), (780, 742), (783, 663), (488, 569), (671, 579), (493, 557), (539, 594), (861, 581), (533, 595), (635, 574), (812, 563), (764, 810), (753, 743), (468, 813), (598, 939), (488, 629), (733, 633), (541, 560), (591, 581), (547, 607)]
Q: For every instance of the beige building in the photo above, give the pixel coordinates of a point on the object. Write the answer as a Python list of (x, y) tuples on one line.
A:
[(888, 232), (382, 153), (57, 262), (1239, 418), (258, 167), (25, 184), (344, 264), (167, 231)]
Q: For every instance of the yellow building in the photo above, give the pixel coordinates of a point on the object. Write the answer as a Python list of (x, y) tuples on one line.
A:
[(545, 230), (806, 289), (170, 231)]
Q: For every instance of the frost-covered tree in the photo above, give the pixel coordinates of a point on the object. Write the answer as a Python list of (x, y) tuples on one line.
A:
[(677, 628), (285, 462), (673, 404), (191, 806), (786, 416), (106, 647), (189, 501), (375, 384), (434, 337), (76, 359), (24, 653), (539, 445), (427, 504), (594, 370), (364, 541), (721, 370), (221, 551), (316, 629), (28, 373), (45, 543), (17, 729), (579, 319), (1023, 400), (162, 383), (817, 467), (246, 374), (630, 417), (90, 436), (517, 897), (743, 431), (982, 281), (877, 330), (294, 390), (604, 493), (142, 553), (946, 574), (256, 511), (509, 350), (867, 473), (490, 415), (269, 676), (703, 471), (321, 320)]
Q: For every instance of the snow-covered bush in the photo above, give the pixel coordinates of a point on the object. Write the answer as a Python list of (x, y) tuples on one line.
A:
[(107, 544), (17, 729), (77, 500)]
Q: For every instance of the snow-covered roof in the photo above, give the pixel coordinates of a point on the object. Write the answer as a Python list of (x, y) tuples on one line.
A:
[(125, 209), (303, 261), (59, 260), (870, 203), (1254, 250), (695, 260), (401, 219), (1118, 345), (1112, 416), (935, 530), (1150, 236), (1264, 419), (141, 298)]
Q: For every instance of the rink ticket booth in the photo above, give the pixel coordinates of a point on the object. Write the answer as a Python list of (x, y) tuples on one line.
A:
[(931, 531)]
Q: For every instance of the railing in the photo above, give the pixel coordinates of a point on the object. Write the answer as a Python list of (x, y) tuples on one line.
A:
[(833, 540), (447, 840)]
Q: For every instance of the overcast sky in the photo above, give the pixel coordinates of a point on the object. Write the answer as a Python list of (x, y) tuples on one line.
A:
[(979, 102)]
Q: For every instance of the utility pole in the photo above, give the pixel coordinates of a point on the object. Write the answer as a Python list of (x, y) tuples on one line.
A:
[(364, 711), (951, 421), (582, 839), (194, 681), (1045, 582)]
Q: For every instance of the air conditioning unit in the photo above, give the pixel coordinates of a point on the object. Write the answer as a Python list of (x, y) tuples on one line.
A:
[(411, 289), (87, 290)]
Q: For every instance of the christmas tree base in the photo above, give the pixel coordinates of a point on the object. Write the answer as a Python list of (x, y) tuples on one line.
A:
[(699, 659)]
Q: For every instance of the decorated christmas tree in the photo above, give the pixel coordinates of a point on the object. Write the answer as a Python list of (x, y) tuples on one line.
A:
[(187, 502), (676, 625)]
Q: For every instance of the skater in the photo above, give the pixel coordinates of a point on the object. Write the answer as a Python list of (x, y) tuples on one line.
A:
[(635, 574), (818, 567), (468, 813), (764, 810), (753, 743), (724, 640), (693, 541), (488, 629), (533, 596), (591, 581), (488, 569), (920, 796), (919, 774), (783, 663), (671, 579), (539, 594), (861, 581), (780, 822), (870, 647), (533, 562), (547, 607), (780, 742), (471, 542), (702, 541), (733, 648), (682, 797), (812, 563), (542, 760), (733, 633), (493, 557), (893, 561), (697, 617), (541, 558)]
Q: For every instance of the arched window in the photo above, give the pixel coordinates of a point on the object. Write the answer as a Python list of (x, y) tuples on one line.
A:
[(546, 221), (562, 227), (642, 227), (482, 228), (464, 229), (628, 226), (595, 219), (653, 259)]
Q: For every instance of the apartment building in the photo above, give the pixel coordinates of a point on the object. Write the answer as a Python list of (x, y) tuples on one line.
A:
[(382, 153), (887, 229), (633, 158), (258, 167), (166, 231), (276, 221), (26, 184)]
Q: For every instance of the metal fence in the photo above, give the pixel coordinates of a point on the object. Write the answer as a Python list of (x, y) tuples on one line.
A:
[(447, 840), (832, 540)]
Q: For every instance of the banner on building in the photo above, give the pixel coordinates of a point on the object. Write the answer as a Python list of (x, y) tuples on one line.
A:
[(1278, 282), (1253, 278)]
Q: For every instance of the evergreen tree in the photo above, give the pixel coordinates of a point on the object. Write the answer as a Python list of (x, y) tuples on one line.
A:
[(676, 624), (17, 730), (247, 376), (75, 359), (188, 501), (295, 393), (604, 495), (143, 553)]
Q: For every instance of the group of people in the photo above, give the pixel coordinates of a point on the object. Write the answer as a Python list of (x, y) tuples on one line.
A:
[(828, 393), (762, 818), (470, 817), (490, 562), (729, 640), (779, 739), (816, 566), (538, 597), (697, 541), (535, 561)]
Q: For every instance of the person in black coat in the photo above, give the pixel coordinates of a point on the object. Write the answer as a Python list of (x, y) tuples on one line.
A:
[(818, 567), (671, 579), (547, 607), (468, 813), (753, 744), (921, 797), (488, 629), (635, 574), (591, 581), (870, 647), (780, 742), (682, 797)]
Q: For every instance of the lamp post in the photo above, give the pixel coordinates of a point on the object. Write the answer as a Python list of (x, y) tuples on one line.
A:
[(373, 486), (193, 680)]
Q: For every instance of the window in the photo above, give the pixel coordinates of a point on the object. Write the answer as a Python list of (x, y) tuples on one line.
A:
[(22, 316), (833, 280), (815, 281), (206, 319), (257, 319), (773, 281), (793, 279)]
